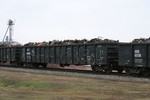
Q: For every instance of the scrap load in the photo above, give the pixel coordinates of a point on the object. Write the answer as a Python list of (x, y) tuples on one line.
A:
[(69, 42), (141, 40), (11, 44)]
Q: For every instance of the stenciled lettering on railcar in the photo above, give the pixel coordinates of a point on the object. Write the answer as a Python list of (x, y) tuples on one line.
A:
[(137, 54), (138, 58)]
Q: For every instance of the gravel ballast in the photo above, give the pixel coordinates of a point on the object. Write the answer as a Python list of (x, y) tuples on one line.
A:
[(77, 74)]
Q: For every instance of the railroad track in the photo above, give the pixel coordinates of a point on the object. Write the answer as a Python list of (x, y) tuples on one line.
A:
[(78, 73)]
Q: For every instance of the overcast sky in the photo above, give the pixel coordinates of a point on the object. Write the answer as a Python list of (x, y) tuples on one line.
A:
[(44, 20)]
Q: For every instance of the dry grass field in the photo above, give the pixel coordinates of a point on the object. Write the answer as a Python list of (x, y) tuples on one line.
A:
[(27, 86)]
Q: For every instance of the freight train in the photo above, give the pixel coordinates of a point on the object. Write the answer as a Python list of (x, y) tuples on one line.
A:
[(103, 57)]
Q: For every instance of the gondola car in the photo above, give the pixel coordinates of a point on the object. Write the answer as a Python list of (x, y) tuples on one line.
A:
[(103, 57)]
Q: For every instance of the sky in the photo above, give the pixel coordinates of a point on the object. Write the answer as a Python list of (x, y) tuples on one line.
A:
[(47, 20)]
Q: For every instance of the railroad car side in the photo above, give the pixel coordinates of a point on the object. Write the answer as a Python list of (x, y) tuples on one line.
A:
[(10, 55), (5, 54), (33, 56), (15, 56), (101, 56), (2, 55), (106, 57), (135, 58)]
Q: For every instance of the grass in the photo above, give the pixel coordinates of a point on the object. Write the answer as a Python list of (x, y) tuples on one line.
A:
[(26, 86)]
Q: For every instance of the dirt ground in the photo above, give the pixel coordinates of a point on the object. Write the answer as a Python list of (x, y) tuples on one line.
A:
[(27, 86)]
